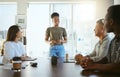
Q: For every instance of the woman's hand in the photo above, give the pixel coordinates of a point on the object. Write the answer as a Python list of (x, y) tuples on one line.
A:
[(56, 42), (24, 57)]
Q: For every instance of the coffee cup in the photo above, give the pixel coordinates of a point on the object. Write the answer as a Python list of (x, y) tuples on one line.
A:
[(17, 63)]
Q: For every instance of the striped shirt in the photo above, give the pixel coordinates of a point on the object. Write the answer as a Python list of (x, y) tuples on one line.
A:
[(114, 50)]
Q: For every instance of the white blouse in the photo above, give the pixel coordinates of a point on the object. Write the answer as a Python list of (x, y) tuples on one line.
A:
[(12, 49)]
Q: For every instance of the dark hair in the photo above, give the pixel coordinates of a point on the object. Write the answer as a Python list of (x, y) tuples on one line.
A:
[(114, 13), (11, 34), (100, 21), (54, 14)]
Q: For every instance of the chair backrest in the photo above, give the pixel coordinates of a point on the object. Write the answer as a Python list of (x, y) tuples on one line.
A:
[(1, 58), (2, 51)]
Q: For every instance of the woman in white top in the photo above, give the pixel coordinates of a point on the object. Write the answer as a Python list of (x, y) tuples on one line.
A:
[(13, 47)]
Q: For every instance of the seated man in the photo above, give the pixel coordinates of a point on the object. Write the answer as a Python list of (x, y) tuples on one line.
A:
[(101, 48), (112, 24)]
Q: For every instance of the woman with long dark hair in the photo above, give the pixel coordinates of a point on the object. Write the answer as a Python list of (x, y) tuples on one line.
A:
[(12, 46)]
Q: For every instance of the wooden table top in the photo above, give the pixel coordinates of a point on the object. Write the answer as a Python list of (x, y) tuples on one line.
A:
[(45, 69)]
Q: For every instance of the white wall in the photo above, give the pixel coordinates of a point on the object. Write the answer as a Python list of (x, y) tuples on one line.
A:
[(116, 2), (21, 5), (101, 7)]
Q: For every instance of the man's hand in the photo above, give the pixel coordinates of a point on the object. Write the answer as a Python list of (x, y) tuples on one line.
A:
[(78, 58), (86, 62)]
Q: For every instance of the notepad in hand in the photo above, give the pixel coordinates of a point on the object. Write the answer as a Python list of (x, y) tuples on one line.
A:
[(29, 59)]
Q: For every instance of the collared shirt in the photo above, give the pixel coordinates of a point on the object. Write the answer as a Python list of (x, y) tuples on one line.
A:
[(114, 50), (101, 49)]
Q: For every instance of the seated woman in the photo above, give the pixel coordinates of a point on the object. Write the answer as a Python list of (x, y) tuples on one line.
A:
[(12, 46)]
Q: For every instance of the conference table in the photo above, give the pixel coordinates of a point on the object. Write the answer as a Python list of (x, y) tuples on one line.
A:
[(46, 69)]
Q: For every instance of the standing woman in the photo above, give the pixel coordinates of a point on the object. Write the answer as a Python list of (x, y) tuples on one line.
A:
[(56, 36), (13, 47)]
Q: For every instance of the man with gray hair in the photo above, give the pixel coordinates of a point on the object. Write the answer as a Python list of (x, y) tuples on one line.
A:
[(101, 47), (112, 24)]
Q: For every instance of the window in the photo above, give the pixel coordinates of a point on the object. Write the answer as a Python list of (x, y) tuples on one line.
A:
[(65, 11), (84, 24), (72, 17), (7, 18), (38, 21)]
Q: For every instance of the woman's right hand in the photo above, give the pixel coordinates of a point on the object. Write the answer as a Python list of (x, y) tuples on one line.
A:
[(24, 57), (56, 42), (52, 42)]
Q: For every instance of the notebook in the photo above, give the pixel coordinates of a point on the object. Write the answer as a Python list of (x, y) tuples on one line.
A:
[(29, 59)]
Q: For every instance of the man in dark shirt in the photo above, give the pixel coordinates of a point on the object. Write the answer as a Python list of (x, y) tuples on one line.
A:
[(112, 24)]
